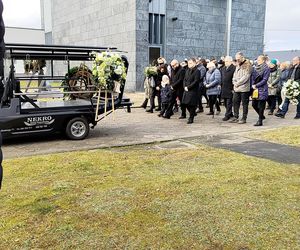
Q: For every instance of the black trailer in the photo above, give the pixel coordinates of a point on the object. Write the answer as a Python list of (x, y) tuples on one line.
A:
[(22, 112)]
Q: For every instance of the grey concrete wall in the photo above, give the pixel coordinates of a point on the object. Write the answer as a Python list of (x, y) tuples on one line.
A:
[(248, 26), (97, 23), (199, 30), (142, 44)]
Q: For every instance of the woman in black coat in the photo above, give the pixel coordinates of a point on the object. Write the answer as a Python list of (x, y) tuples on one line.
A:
[(227, 87), (191, 86)]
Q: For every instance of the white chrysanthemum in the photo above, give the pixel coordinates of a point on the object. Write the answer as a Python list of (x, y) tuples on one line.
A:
[(118, 70)]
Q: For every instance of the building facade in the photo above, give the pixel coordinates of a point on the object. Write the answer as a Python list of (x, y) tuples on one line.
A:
[(147, 29)]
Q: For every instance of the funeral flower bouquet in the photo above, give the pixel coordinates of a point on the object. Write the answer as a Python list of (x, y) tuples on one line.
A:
[(150, 71), (293, 91), (109, 70)]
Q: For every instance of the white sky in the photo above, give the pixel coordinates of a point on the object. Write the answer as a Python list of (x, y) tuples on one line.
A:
[(282, 20), (22, 13)]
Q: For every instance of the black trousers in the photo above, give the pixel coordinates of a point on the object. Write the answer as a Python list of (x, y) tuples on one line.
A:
[(272, 102), (169, 111), (239, 98), (191, 109), (202, 93), (228, 105), (164, 107), (155, 93), (259, 106), (279, 100), (213, 100)]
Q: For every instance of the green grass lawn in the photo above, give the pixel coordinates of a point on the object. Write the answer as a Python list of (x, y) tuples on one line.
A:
[(285, 135), (132, 198), (34, 84)]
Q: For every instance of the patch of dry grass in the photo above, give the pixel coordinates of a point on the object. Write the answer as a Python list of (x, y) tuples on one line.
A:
[(285, 135), (149, 199)]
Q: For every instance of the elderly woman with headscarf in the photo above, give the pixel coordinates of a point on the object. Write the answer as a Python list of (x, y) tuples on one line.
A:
[(259, 80), (273, 84), (213, 86)]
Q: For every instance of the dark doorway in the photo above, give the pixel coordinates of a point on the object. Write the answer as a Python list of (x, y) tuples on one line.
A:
[(154, 53)]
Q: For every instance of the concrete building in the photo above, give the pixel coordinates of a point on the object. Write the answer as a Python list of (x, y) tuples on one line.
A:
[(284, 55), (147, 29)]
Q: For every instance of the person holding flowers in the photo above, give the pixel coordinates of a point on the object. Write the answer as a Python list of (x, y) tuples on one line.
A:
[(149, 83), (292, 90)]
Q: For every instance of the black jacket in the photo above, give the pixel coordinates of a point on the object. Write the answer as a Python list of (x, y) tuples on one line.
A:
[(227, 85), (166, 94), (191, 81), (297, 73), (177, 78)]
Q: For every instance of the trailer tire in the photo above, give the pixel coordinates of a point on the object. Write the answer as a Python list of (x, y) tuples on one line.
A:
[(77, 128)]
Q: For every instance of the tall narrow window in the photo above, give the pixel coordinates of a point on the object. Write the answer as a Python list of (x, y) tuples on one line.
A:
[(150, 28), (157, 21), (156, 29), (162, 29)]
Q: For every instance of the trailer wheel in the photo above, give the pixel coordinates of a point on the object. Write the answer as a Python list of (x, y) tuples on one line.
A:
[(77, 129)]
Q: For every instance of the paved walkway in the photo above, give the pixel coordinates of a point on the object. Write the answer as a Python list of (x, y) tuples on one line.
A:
[(262, 149), (139, 127)]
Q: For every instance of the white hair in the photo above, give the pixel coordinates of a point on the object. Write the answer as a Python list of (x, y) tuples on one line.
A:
[(228, 58)]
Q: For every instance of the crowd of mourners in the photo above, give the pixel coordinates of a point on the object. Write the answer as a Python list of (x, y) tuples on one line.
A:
[(229, 82)]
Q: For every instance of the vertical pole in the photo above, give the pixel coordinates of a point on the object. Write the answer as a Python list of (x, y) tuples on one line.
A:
[(228, 32)]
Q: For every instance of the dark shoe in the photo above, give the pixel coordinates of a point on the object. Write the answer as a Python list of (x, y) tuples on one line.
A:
[(225, 119), (149, 110), (159, 115), (242, 121), (258, 124), (182, 117), (166, 117), (210, 113), (271, 113), (234, 120), (297, 117), (190, 121), (279, 115), (158, 109)]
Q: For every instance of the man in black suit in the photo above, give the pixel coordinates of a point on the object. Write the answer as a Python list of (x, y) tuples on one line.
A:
[(177, 77), (2, 50)]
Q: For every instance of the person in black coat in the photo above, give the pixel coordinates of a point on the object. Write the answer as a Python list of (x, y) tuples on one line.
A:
[(191, 86), (177, 77), (227, 86), (2, 50), (201, 65), (294, 72)]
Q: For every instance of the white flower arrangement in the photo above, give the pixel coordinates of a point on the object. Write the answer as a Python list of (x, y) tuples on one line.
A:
[(109, 69), (293, 91), (150, 71)]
